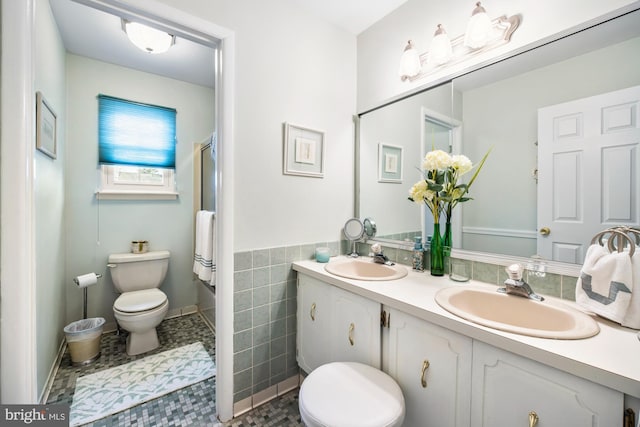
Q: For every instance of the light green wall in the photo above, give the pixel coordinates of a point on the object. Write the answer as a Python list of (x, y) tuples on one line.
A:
[(99, 228), (49, 198)]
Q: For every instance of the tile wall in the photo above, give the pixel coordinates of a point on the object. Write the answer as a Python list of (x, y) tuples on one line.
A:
[(264, 338)]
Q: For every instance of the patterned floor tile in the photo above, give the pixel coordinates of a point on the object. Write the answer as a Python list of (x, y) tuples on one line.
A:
[(190, 406)]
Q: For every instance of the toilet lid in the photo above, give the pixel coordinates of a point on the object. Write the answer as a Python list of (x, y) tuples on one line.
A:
[(350, 394), (147, 299)]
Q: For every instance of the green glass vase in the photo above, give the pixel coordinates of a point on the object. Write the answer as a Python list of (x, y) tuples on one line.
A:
[(447, 240), (437, 252)]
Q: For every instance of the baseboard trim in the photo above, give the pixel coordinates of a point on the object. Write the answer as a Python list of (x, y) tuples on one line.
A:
[(267, 395), (52, 372)]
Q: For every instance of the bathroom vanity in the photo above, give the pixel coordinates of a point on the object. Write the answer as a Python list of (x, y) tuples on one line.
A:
[(457, 373)]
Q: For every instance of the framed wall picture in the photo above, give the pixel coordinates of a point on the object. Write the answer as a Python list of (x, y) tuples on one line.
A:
[(303, 151), (46, 127), (389, 163)]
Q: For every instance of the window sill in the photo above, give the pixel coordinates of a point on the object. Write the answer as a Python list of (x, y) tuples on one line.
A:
[(135, 195)]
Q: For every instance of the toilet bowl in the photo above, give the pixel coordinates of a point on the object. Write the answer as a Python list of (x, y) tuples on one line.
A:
[(139, 312), (350, 394), (141, 306)]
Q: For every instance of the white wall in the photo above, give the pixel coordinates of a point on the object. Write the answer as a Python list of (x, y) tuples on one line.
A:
[(49, 197), (99, 228), (291, 67), (382, 44)]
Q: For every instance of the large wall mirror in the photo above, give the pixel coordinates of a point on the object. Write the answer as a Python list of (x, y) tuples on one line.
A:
[(515, 107)]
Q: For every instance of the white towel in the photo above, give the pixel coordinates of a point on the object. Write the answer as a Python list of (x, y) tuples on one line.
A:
[(204, 262), (632, 317), (605, 285)]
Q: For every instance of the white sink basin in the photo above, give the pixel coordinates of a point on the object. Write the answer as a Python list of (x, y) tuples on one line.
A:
[(365, 269), (545, 319)]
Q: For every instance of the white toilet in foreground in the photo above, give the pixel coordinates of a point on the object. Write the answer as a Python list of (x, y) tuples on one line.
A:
[(350, 394), (141, 306)]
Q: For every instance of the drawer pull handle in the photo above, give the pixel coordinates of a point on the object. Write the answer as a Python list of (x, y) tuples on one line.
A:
[(351, 328), (312, 312), (423, 379), (533, 419)]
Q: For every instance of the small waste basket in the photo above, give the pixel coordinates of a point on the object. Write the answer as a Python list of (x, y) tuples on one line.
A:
[(83, 337)]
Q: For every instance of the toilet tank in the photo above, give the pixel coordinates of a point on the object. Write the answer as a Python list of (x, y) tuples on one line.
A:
[(135, 272)]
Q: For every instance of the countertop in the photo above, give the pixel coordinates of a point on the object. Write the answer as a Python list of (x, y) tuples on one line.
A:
[(611, 358)]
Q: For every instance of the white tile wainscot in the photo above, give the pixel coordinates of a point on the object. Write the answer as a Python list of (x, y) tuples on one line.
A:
[(608, 361)]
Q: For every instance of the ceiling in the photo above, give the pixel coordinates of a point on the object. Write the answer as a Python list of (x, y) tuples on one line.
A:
[(355, 16), (96, 34)]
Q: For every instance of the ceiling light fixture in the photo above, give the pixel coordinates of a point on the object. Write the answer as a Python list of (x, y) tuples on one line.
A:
[(483, 34), (148, 39)]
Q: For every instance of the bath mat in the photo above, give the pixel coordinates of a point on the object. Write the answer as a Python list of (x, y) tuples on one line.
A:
[(116, 389)]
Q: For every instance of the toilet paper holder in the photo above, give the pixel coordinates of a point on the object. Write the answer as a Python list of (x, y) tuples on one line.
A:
[(77, 282), (84, 293)]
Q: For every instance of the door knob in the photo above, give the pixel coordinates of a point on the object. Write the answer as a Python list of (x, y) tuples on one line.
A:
[(545, 231)]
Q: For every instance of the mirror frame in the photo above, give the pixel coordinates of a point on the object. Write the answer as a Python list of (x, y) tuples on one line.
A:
[(485, 257)]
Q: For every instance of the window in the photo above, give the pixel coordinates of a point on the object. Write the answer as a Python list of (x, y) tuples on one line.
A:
[(137, 148), (136, 182)]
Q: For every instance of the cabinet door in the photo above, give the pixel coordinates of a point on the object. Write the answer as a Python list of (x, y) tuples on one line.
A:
[(507, 388), (355, 332), (432, 365), (314, 321)]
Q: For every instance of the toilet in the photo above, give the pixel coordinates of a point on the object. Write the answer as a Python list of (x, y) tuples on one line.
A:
[(141, 306), (350, 394)]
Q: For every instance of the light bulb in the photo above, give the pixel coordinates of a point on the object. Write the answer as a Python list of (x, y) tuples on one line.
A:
[(440, 50), (478, 28), (410, 64)]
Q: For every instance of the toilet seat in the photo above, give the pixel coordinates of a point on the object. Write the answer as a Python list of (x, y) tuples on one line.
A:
[(138, 301), (350, 394)]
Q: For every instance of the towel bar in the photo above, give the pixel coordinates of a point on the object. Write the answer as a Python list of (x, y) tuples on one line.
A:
[(619, 238)]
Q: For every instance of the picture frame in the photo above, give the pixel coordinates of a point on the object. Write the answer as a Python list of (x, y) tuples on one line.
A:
[(303, 151), (390, 163), (46, 127)]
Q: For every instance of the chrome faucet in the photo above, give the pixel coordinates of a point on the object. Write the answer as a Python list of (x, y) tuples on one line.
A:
[(514, 285), (378, 256)]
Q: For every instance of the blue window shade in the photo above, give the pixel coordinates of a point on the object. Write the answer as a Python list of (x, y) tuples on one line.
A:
[(131, 133)]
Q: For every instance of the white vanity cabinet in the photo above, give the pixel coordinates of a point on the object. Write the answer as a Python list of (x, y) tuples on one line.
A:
[(448, 379), (507, 388), (432, 365), (335, 325)]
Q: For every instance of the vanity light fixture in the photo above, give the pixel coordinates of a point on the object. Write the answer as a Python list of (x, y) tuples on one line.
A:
[(410, 61), (146, 38), (440, 50), (483, 34), (478, 29)]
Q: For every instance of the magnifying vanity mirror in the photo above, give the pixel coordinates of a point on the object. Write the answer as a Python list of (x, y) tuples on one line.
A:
[(501, 107), (370, 228), (353, 231)]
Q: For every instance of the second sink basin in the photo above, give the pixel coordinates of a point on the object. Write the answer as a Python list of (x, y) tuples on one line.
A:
[(365, 269), (546, 319)]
